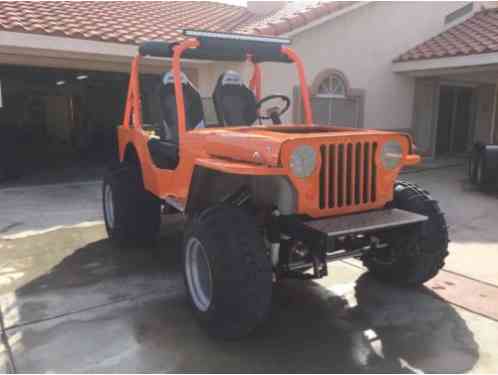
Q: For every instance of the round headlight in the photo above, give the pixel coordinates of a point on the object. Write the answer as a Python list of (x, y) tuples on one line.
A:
[(303, 161), (392, 153)]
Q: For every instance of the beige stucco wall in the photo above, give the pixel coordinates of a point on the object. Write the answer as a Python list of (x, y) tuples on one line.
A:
[(361, 44), (209, 73)]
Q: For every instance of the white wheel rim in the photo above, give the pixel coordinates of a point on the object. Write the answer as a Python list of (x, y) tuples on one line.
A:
[(109, 206), (198, 274)]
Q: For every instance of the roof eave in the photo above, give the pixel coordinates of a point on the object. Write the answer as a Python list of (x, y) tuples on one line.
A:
[(48, 46), (324, 19), (417, 67)]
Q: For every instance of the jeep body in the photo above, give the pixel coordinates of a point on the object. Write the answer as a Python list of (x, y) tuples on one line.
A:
[(270, 201)]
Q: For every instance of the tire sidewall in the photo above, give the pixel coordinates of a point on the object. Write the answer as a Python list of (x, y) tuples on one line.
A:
[(111, 179), (228, 282), (203, 316), (137, 213), (419, 250)]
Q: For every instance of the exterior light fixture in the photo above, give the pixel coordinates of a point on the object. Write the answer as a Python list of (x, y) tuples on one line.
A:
[(60, 83), (81, 77)]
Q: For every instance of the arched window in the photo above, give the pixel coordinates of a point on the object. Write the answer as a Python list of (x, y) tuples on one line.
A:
[(332, 86), (333, 101)]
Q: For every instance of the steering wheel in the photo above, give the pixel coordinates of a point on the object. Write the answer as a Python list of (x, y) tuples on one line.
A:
[(274, 113)]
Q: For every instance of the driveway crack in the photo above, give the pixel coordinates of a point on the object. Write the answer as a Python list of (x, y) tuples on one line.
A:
[(5, 340), (91, 308)]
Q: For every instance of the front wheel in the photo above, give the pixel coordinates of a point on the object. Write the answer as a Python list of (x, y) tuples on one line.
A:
[(131, 214), (227, 272), (414, 254)]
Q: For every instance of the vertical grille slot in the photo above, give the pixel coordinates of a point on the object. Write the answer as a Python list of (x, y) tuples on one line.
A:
[(373, 195), (359, 174), (348, 174), (323, 169), (341, 181), (332, 176), (366, 172)]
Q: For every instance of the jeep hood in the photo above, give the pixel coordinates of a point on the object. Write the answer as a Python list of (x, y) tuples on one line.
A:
[(244, 146), (262, 144)]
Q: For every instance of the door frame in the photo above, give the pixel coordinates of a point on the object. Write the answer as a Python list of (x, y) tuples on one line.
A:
[(473, 112)]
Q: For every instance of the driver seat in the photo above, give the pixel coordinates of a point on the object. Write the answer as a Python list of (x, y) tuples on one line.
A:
[(164, 151), (235, 103)]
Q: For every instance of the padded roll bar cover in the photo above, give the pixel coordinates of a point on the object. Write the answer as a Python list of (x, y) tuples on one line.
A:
[(155, 49), (219, 50)]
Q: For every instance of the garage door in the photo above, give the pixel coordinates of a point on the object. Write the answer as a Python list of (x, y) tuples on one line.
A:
[(54, 120)]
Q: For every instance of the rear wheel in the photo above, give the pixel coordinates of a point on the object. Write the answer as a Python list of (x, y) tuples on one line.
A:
[(227, 272), (131, 214), (415, 254)]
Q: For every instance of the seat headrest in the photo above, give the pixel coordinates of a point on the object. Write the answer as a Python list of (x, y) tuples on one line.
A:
[(234, 102), (169, 78), (231, 78)]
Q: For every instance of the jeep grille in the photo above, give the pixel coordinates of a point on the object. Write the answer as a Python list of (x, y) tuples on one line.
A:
[(348, 175)]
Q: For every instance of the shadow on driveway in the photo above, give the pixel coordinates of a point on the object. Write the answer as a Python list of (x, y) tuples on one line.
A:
[(106, 309)]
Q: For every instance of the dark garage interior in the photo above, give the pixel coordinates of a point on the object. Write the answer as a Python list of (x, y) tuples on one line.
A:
[(58, 123)]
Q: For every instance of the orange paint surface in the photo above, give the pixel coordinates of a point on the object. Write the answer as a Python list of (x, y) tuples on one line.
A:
[(263, 150)]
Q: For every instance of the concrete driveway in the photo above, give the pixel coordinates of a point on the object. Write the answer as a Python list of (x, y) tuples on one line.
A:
[(70, 301)]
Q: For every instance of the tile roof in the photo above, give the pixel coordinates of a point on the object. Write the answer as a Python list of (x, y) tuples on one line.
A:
[(118, 21), (292, 16), (132, 22), (478, 34)]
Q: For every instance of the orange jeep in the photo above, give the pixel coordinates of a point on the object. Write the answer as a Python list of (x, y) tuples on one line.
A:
[(263, 202)]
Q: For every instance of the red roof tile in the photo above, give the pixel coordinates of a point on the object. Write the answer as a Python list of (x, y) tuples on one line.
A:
[(478, 34), (132, 22), (292, 16)]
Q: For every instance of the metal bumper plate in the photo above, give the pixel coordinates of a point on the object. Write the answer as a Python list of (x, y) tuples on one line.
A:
[(364, 222)]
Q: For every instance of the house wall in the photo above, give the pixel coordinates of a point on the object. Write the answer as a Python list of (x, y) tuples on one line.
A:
[(362, 45)]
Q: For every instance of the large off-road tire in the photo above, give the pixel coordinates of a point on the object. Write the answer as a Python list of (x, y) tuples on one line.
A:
[(132, 214), (227, 272), (415, 253)]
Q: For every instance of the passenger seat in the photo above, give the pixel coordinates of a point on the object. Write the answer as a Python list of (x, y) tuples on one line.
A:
[(235, 103)]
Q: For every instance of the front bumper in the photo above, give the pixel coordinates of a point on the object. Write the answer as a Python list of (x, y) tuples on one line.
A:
[(322, 232)]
